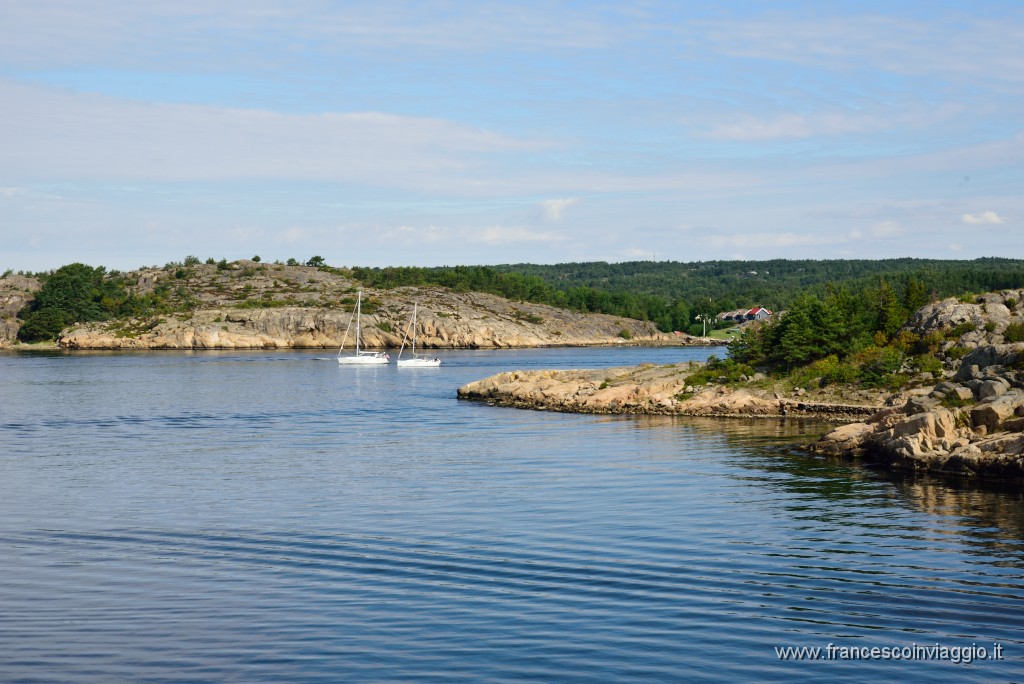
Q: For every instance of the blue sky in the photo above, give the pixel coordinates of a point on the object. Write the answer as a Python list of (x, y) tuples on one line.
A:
[(448, 132)]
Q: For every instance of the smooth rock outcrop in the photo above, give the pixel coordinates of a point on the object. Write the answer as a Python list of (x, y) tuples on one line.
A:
[(646, 389), (445, 320)]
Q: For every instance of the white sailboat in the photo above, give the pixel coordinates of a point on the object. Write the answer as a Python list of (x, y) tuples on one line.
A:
[(416, 361), (360, 357)]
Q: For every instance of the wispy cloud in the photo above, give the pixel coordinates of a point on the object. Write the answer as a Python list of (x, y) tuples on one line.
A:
[(793, 126), (50, 32), (410, 235), (769, 240), (985, 218), (50, 133), (885, 230), (552, 209), (503, 235), (946, 44)]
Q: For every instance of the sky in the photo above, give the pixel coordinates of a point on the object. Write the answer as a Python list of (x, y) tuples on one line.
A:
[(443, 132)]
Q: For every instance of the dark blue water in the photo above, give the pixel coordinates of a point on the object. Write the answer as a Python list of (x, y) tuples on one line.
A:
[(274, 517)]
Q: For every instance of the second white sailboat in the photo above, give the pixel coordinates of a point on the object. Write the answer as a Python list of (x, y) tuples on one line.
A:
[(416, 361)]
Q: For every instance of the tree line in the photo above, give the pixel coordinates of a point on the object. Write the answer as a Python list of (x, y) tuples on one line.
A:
[(674, 294)]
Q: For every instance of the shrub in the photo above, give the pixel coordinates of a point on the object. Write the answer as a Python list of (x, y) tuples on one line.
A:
[(879, 365), (191, 260), (529, 317), (1014, 333), (928, 363), (960, 330), (905, 341), (957, 352), (895, 381), (720, 370), (625, 334), (930, 343), (953, 401), (835, 372)]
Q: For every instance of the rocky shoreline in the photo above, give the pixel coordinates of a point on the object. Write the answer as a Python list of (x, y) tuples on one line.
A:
[(650, 389), (965, 419), (969, 426)]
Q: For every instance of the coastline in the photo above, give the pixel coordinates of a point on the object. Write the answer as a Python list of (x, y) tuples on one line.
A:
[(655, 390), (970, 426)]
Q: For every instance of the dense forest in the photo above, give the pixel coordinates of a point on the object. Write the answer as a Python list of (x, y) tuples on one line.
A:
[(673, 294)]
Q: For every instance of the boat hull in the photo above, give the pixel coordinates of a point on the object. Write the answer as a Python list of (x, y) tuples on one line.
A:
[(419, 363), (364, 360)]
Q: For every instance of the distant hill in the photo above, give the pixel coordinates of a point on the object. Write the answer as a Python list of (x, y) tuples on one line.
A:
[(776, 282), (673, 293)]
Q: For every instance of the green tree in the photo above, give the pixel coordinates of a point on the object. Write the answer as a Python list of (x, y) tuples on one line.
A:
[(890, 316), (75, 293)]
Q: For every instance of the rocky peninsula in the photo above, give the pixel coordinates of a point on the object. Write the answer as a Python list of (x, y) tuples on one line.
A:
[(251, 305), (966, 419), (651, 389)]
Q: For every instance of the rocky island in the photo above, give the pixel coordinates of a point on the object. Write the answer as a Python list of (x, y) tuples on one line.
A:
[(965, 419), (250, 305)]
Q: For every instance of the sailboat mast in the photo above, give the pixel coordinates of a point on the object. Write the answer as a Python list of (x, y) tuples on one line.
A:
[(359, 305), (414, 330)]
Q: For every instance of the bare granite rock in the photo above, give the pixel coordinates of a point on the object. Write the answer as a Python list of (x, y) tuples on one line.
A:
[(445, 320), (646, 389)]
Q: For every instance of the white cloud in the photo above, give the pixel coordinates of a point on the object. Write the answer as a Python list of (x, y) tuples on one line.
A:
[(886, 229), (51, 134), (769, 240), (293, 235), (984, 218), (552, 209), (793, 126), (944, 44), (410, 235), (501, 235), (128, 33)]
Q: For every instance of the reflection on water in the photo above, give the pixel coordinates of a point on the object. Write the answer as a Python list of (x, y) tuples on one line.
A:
[(273, 517)]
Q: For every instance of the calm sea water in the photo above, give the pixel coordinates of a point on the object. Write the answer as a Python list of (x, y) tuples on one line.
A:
[(274, 517)]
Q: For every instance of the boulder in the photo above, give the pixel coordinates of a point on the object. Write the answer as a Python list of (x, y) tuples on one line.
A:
[(990, 389), (845, 439), (994, 413)]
